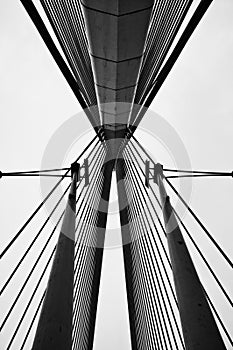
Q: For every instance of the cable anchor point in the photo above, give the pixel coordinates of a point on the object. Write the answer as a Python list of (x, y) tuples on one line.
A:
[(76, 168), (157, 170)]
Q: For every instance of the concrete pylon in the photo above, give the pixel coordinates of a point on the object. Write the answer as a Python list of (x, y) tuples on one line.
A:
[(54, 330), (101, 222), (127, 250), (198, 324), (117, 32)]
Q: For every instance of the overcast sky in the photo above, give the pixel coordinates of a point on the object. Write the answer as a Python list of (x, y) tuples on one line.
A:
[(196, 100)]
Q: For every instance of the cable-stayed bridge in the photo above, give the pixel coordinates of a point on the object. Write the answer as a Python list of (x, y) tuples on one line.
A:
[(115, 56)]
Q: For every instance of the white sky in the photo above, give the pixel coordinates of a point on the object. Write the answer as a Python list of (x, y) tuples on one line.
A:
[(196, 100)]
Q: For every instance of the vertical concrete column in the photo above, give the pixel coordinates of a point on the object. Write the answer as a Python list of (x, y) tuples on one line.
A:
[(102, 213), (54, 330), (198, 324), (127, 250)]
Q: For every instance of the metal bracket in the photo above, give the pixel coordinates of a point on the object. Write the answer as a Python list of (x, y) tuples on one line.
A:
[(86, 172), (75, 167), (157, 170)]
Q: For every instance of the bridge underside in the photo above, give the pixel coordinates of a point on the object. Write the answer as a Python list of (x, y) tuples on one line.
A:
[(117, 33)]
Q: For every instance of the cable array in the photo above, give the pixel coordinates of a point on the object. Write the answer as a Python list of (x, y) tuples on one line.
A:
[(157, 322), (67, 22), (167, 18), (43, 202), (91, 224), (137, 155), (44, 256), (165, 22)]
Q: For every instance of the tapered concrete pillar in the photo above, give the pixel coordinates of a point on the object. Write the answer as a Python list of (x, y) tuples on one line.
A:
[(198, 324), (101, 221), (127, 251), (54, 330)]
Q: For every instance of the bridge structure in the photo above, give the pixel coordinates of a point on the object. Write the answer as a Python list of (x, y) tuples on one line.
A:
[(115, 55)]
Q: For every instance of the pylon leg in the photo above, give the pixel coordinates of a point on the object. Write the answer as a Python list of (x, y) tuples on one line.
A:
[(127, 249), (102, 213), (54, 330), (198, 324)]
